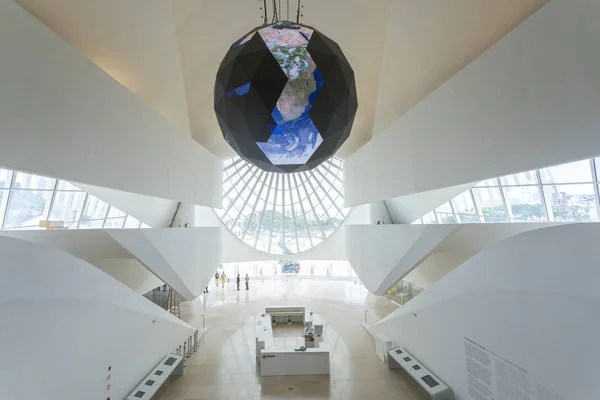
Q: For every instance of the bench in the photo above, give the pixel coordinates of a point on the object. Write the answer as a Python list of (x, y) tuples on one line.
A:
[(433, 386), (172, 364)]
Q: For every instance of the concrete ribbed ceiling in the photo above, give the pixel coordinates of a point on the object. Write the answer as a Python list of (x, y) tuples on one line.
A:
[(167, 51)]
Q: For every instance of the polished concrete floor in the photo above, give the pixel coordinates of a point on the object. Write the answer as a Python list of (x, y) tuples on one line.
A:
[(225, 368)]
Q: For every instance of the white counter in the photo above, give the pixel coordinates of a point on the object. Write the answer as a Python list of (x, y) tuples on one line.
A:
[(312, 361), (264, 334), (286, 361)]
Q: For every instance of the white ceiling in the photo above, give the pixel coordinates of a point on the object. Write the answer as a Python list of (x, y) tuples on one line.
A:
[(167, 51)]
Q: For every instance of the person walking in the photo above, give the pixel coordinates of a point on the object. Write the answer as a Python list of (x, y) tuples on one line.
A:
[(247, 281), (223, 279), (237, 280), (217, 278)]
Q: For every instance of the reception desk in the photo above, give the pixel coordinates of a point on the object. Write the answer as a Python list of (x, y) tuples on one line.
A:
[(278, 361), (312, 361)]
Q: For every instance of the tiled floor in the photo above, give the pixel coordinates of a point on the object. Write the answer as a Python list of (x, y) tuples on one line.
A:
[(224, 367)]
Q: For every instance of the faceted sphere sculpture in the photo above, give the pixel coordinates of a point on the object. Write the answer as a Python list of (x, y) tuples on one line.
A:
[(285, 97)]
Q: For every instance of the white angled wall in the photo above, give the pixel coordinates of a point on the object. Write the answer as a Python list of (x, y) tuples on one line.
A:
[(407, 209), (531, 305), (184, 258), (65, 322), (529, 101), (382, 254), (62, 116), (153, 211), (130, 272), (437, 265)]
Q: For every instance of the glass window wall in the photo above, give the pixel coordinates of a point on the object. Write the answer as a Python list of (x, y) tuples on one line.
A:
[(27, 199), (562, 193)]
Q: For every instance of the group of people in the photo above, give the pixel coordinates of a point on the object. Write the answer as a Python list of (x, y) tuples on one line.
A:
[(222, 277)]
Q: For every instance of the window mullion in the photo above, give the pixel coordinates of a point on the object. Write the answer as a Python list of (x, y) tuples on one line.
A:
[(543, 196), (52, 200), (9, 198), (238, 196), (303, 211), (262, 217), (273, 213), (234, 185), (312, 206), (477, 210), (85, 204), (262, 187), (596, 190), (293, 214), (247, 198)]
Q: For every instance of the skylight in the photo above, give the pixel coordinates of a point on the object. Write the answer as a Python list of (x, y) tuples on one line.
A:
[(282, 213)]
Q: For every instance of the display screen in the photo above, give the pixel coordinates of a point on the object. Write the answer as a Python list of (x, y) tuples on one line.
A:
[(416, 367), (399, 351), (430, 381), (149, 383), (170, 361), (406, 358), (294, 136), (158, 373), (140, 394)]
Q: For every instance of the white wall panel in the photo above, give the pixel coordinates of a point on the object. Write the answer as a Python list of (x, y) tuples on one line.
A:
[(529, 101), (131, 273), (530, 302), (153, 211), (382, 254), (407, 209), (184, 258), (64, 323), (437, 265), (62, 116)]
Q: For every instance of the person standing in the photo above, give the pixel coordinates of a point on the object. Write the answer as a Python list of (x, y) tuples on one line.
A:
[(223, 279), (237, 280), (247, 281), (217, 278)]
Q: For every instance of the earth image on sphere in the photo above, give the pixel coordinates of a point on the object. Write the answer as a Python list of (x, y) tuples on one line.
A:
[(295, 138), (288, 136)]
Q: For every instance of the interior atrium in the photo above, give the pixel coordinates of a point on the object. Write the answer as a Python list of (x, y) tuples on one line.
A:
[(299, 199)]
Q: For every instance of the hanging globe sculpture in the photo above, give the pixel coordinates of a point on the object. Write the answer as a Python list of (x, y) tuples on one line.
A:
[(285, 97)]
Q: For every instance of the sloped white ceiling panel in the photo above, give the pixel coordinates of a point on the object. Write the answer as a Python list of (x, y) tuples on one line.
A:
[(382, 254), (184, 258)]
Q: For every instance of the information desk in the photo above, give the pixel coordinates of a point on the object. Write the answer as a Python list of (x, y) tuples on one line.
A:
[(435, 388), (172, 364), (312, 361)]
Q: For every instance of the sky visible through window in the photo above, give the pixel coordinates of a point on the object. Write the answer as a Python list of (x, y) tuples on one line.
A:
[(562, 193), (27, 199), (282, 213)]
